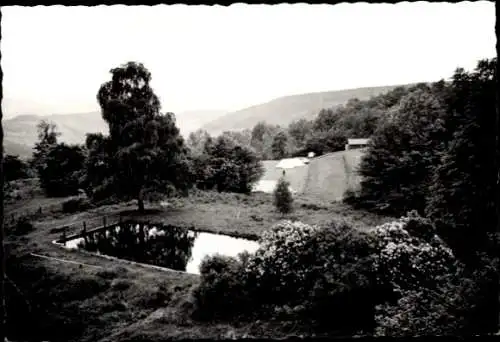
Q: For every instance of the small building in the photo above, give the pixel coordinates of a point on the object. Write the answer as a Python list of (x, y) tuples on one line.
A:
[(310, 155), (356, 143)]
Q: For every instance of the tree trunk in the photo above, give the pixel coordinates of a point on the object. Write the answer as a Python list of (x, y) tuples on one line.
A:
[(140, 201)]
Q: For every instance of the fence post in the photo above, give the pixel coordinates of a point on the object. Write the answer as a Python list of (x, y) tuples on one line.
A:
[(85, 233), (63, 237)]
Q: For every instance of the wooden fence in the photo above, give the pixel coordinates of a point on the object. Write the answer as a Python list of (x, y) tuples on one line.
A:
[(85, 227)]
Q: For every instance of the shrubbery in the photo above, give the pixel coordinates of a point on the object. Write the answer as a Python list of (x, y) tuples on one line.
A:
[(299, 271), (76, 204), (223, 290), (226, 165), (283, 200), (437, 294), (411, 255), (400, 279), (23, 226)]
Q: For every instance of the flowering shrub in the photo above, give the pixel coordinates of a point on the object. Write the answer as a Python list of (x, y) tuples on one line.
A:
[(300, 272), (281, 265), (324, 275), (456, 307), (435, 297), (411, 255), (416, 313)]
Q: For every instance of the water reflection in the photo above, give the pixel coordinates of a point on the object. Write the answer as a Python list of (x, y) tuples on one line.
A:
[(210, 244), (166, 246)]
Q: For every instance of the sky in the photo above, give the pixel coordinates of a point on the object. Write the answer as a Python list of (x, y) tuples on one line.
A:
[(55, 58)]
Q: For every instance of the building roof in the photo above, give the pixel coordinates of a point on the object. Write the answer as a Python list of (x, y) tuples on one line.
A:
[(358, 141)]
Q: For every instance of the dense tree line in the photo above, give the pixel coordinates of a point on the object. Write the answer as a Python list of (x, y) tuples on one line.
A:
[(15, 168), (428, 141), (224, 164), (436, 154), (59, 166), (143, 157), (327, 132)]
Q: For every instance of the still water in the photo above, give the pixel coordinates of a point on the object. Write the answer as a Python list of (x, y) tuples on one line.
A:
[(166, 246)]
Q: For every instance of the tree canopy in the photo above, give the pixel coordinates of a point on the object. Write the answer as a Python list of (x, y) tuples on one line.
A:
[(144, 152)]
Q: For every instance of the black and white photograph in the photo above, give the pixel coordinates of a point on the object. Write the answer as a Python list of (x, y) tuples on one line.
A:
[(249, 171)]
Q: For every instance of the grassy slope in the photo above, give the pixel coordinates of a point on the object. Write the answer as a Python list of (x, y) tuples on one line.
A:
[(125, 302), (325, 178), (283, 110), (331, 175), (296, 176)]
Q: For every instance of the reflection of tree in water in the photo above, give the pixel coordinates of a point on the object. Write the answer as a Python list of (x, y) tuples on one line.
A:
[(165, 246)]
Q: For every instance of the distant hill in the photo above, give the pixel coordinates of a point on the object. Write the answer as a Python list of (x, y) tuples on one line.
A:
[(284, 110), (21, 132), (190, 121), (20, 150)]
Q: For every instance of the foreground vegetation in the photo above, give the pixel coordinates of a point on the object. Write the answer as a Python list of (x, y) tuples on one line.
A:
[(427, 267), (124, 302)]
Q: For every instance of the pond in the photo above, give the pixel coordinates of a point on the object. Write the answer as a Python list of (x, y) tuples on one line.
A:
[(160, 245)]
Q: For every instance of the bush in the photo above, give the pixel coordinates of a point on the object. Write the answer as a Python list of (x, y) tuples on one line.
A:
[(23, 226), (437, 295), (283, 199), (222, 292), (411, 255), (62, 170), (299, 272), (456, 307), (322, 275), (281, 264), (75, 204)]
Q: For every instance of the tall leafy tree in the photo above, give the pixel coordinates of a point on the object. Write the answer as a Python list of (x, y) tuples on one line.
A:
[(63, 171), (463, 189), (196, 141), (226, 165), (280, 145), (242, 138), (398, 165), (98, 166), (327, 119), (463, 194), (300, 130), (262, 138), (47, 139), (326, 141), (14, 168), (148, 155)]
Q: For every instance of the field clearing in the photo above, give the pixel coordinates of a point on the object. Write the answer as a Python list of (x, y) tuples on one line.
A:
[(325, 178), (118, 301), (296, 176)]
